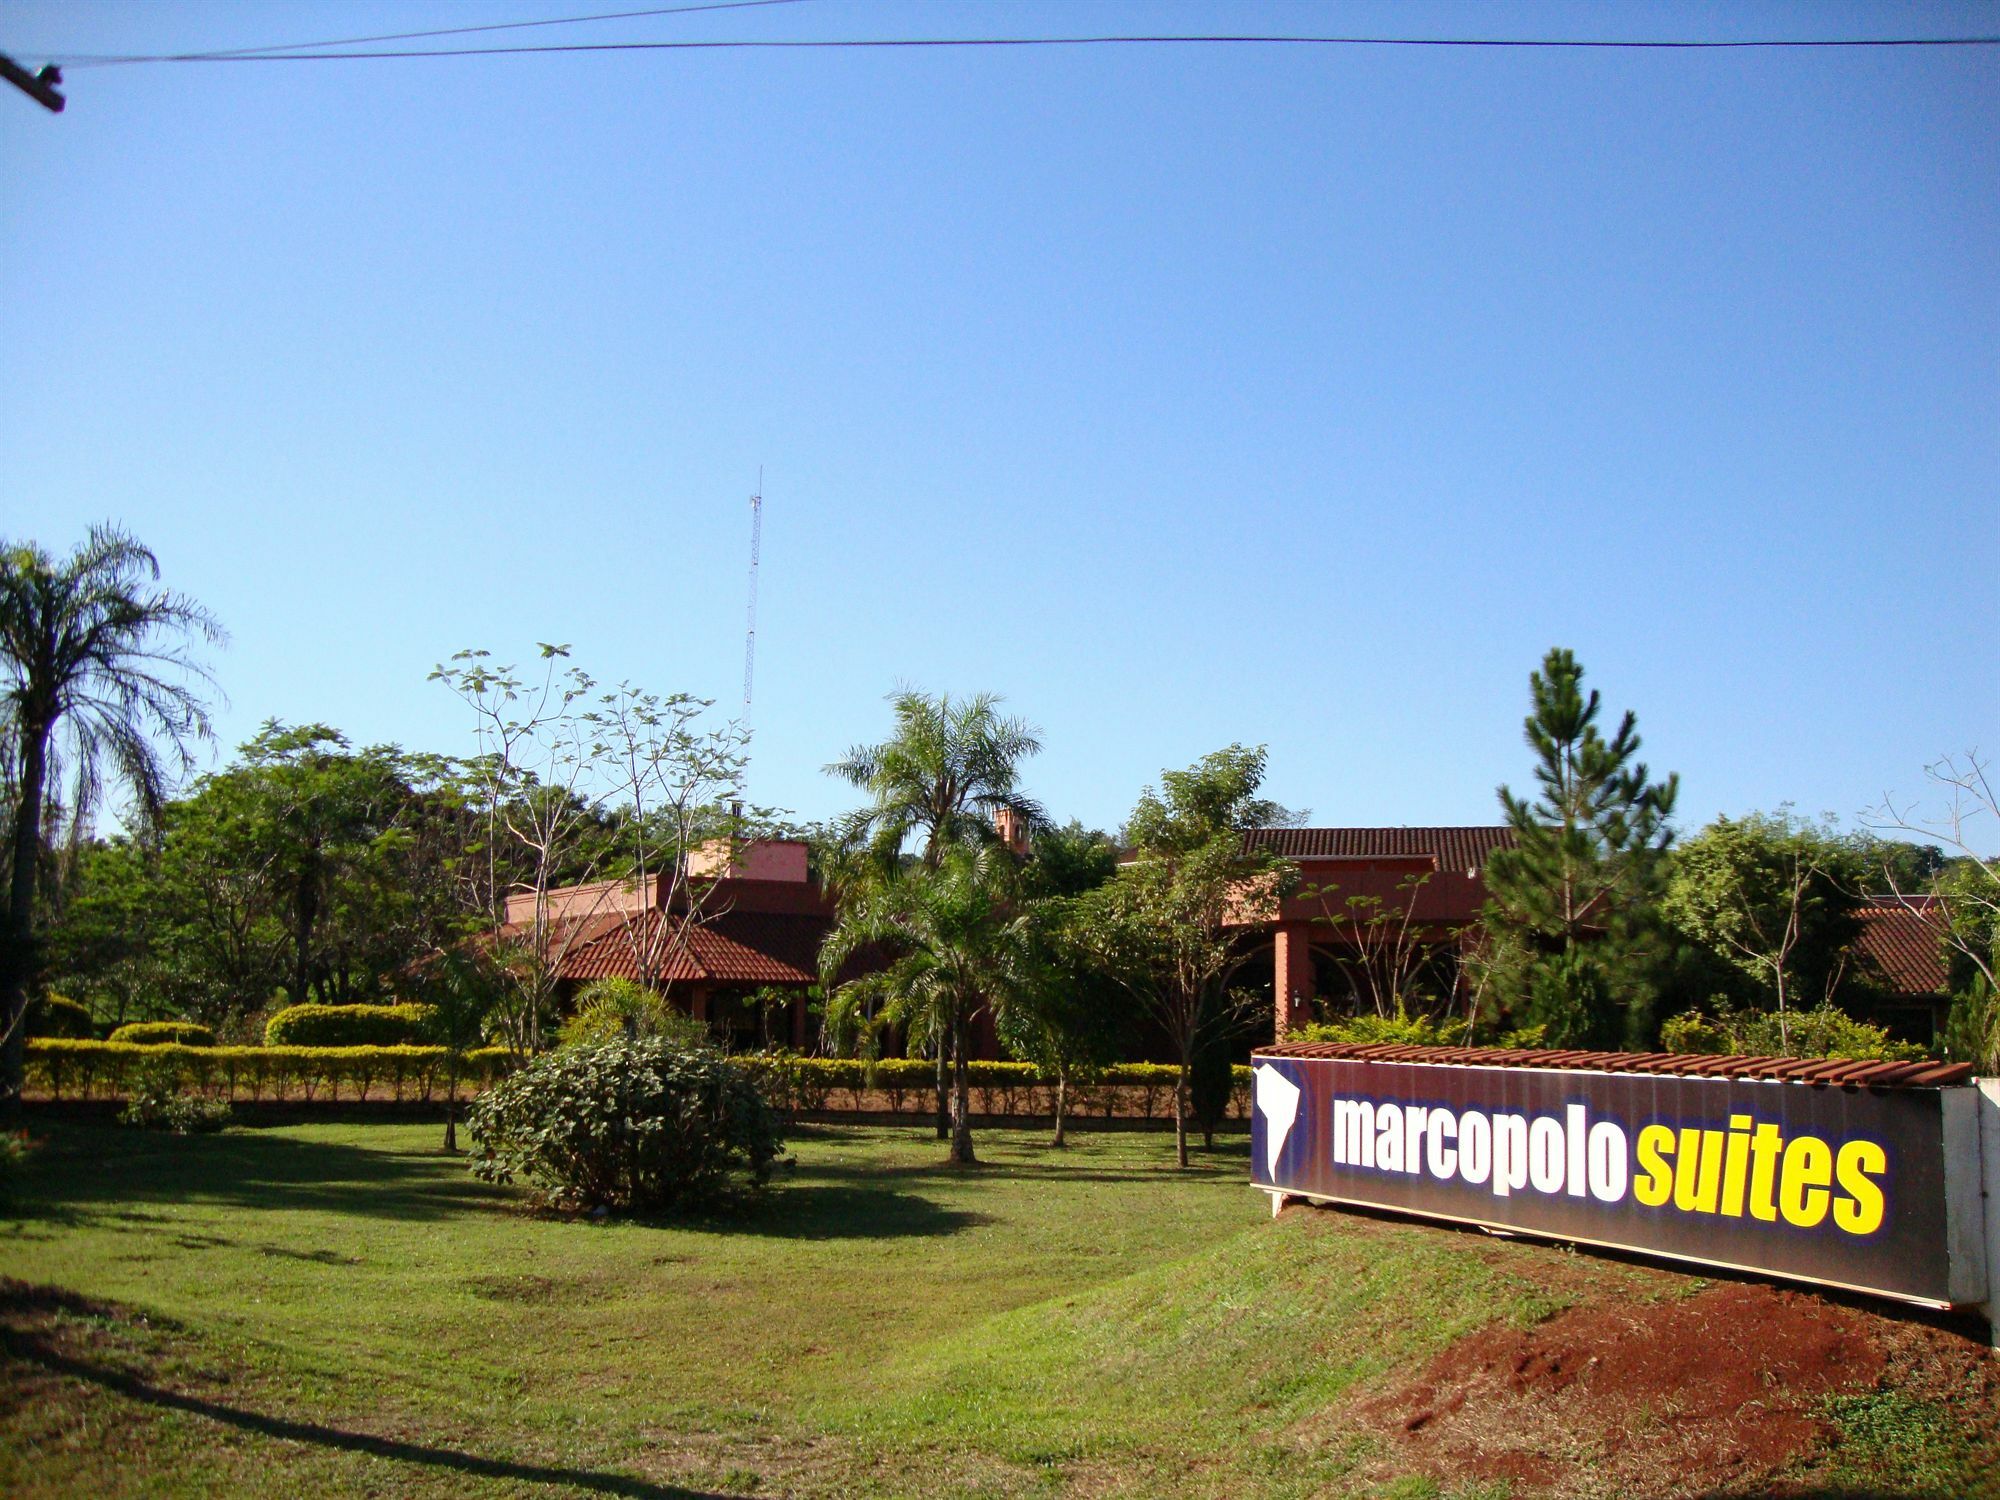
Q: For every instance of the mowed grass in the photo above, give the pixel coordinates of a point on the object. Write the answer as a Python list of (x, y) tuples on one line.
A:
[(342, 1309)]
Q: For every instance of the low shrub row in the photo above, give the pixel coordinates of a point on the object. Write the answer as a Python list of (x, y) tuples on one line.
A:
[(998, 1088), (152, 1033), (58, 1015), (64, 1068), (351, 1026)]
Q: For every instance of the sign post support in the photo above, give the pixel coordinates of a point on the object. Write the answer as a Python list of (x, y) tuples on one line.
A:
[(1989, 1155)]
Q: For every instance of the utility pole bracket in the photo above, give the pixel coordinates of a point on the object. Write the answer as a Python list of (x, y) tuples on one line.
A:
[(40, 87)]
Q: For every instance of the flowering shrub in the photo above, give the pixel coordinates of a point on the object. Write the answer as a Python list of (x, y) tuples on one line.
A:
[(157, 1102), (639, 1123)]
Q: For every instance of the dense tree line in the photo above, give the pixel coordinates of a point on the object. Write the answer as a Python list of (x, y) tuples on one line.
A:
[(311, 870)]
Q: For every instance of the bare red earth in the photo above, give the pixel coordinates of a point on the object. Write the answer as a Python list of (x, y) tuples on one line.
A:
[(1722, 1391)]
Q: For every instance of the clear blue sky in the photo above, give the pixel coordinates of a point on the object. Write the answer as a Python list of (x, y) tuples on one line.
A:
[(1183, 396)]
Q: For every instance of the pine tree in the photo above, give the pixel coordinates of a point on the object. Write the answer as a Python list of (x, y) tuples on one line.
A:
[(1571, 923)]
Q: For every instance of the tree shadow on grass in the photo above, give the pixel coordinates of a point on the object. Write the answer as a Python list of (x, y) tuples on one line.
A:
[(832, 1211), (26, 1346), (87, 1174)]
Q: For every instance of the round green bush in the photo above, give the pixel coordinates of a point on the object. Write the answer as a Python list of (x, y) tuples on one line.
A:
[(351, 1026), (607, 1009), (645, 1123), (59, 1016), (160, 1033)]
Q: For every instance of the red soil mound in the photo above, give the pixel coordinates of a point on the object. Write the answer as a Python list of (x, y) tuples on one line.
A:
[(1720, 1391)]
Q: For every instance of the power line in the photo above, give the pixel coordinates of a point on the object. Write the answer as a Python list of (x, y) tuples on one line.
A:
[(101, 60), (836, 44)]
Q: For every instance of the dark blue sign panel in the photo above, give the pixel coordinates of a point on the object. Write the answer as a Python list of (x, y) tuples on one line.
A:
[(1845, 1186)]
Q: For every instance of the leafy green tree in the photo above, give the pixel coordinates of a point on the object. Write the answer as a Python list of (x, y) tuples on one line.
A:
[(462, 986), (303, 865), (1777, 897), (1570, 919), (948, 768), (1158, 928), (329, 824), (1068, 1017), (958, 944), (98, 674)]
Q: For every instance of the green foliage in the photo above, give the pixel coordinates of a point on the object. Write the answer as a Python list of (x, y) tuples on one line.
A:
[(1824, 1031), (1216, 795), (154, 1033), (85, 1069), (607, 1009), (351, 1026), (1389, 962), (1067, 861), (1159, 926), (1572, 938), (1925, 1445), (158, 1102), (957, 943), (306, 865), (949, 765), (1068, 1016), (1401, 1030), (1211, 1085), (1777, 898), (14, 1152), (1972, 1030), (57, 1015), (640, 1124), (1691, 1031), (95, 675)]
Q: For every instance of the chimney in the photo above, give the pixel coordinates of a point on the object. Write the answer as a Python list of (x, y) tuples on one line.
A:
[(1013, 830)]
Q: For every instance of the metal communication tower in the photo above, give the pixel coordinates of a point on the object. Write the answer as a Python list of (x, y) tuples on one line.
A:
[(750, 630)]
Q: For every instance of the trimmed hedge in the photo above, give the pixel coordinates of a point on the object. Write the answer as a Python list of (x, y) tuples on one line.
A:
[(64, 1068), (998, 1088), (85, 1070), (154, 1033), (351, 1026), (58, 1015)]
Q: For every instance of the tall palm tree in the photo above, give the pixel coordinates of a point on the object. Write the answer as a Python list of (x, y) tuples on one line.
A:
[(959, 945), (948, 768), (97, 674)]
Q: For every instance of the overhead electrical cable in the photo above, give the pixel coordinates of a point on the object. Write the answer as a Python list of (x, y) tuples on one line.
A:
[(85, 60), (861, 43)]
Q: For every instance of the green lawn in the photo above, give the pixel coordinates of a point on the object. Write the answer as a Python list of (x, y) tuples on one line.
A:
[(341, 1309)]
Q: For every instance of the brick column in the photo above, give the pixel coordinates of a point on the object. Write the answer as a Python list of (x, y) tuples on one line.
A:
[(1292, 977), (799, 1021)]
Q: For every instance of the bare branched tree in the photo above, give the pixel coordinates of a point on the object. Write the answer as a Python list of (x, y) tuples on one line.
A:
[(1960, 905), (535, 779), (670, 776)]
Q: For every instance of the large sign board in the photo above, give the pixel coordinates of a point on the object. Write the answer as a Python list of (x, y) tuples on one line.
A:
[(1847, 1187)]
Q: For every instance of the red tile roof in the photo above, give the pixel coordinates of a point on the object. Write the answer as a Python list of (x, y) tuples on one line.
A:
[(1816, 1070), (735, 947), (1455, 849), (1906, 943)]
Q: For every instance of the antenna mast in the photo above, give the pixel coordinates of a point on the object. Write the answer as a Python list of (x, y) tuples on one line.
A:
[(750, 618)]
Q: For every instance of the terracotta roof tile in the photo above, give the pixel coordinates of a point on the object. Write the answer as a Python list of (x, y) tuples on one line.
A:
[(732, 948), (1906, 944), (1455, 849), (1822, 1071)]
